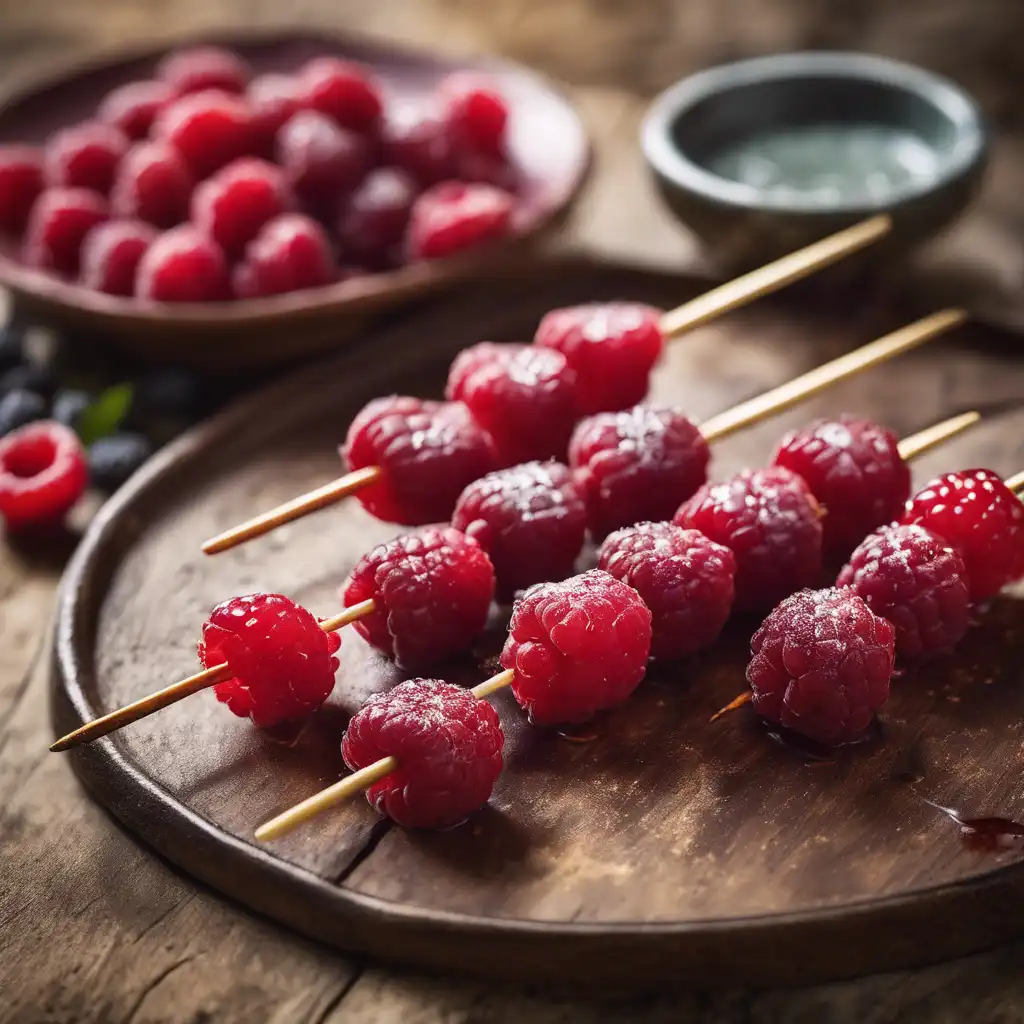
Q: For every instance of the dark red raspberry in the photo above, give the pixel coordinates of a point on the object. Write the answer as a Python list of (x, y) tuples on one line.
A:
[(153, 184), (344, 91), (531, 519), (132, 107), (209, 129), (918, 582), (57, 226), (282, 662), (982, 518), (273, 99), (432, 591), (611, 346), (85, 156), (685, 579), (290, 253), (111, 253), (453, 216), (203, 67), (523, 396), (488, 169), (43, 472), (183, 265), (21, 181), (416, 140), (475, 112), (577, 647), (637, 465), (854, 468), (448, 746), (373, 222), (771, 523), (821, 665)]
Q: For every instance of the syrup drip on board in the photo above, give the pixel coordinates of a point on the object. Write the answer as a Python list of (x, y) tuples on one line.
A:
[(585, 732), (985, 835), (285, 733)]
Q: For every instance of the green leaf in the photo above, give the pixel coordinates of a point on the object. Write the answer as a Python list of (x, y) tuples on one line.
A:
[(106, 414)]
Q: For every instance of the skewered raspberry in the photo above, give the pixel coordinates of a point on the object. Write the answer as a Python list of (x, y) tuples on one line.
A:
[(531, 519), (344, 91), (429, 452), (685, 579), (21, 181), (133, 107), (290, 253), (273, 99), (282, 662), (611, 346), (637, 465), (416, 140), (432, 592), (153, 184), (203, 67), (43, 472), (57, 226), (918, 582), (577, 647), (111, 253), (183, 265), (475, 112), (372, 225), (448, 745), (771, 523), (85, 156), (821, 665), (453, 216), (209, 129)]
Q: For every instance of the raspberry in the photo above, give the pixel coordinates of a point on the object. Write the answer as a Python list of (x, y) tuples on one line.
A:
[(209, 129), (448, 745), (85, 156), (290, 253), (821, 665), (531, 519), (183, 265), (416, 140), (770, 522), (373, 222), (453, 216), (487, 169), (637, 465), (612, 347), (917, 582), (43, 472), (153, 184), (854, 468), (111, 253), (273, 99), (475, 113), (282, 662), (980, 516), (345, 92), (523, 396), (429, 451), (577, 647), (432, 591), (685, 579), (132, 107), (21, 181), (203, 67), (57, 226)]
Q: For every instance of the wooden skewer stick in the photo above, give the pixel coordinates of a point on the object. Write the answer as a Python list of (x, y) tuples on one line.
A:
[(737, 702), (931, 437), (186, 687), (1015, 482)]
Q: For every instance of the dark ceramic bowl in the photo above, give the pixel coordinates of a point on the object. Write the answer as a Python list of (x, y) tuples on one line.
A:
[(694, 130)]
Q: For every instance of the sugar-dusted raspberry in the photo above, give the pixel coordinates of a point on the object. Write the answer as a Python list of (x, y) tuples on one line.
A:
[(111, 253), (415, 139), (183, 265), (429, 452), (85, 155), (209, 129), (982, 518), (637, 465), (453, 216), (201, 68), (57, 226), (475, 112), (290, 253), (345, 92), (448, 745), (821, 664), (373, 221), (153, 184), (523, 396), (43, 472), (273, 99), (611, 346), (918, 582), (577, 647), (771, 523), (133, 107), (685, 579), (21, 181), (282, 662), (531, 519), (432, 591)]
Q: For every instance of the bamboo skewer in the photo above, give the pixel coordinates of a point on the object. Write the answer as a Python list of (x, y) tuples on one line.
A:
[(1015, 482)]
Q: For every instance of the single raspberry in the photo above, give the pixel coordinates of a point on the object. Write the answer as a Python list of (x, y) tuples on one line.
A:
[(821, 665), (488, 169), (523, 396), (183, 265), (282, 662), (85, 155), (132, 107), (611, 346), (416, 140), (531, 519), (201, 68), (373, 222), (111, 253), (685, 579), (209, 129), (429, 452), (290, 253), (982, 518), (453, 216), (345, 92), (153, 184), (21, 181), (577, 647), (918, 582), (475, 112), (432, 592), (771, 523), (273, 99), (57, 226), (637, 465), (43, 472), (448, 746)]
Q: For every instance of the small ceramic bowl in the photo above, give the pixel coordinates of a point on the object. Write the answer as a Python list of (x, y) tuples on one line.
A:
[(763, 156)]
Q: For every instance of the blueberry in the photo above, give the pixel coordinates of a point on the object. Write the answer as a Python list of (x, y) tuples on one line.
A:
[(68, 405), (12, 345), (114, 458), (20, 407), (28, 377)]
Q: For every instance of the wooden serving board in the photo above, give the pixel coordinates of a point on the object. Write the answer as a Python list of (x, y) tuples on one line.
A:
[(656, 847)]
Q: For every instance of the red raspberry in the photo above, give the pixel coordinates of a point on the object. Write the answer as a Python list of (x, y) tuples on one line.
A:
[(475, 112), (344, 91), (57, 226), (448, 745), (43, 472), (821, 665), (183, 265), (432, 592), (531, 519), (612, 347), (770, 522), (637, 465), (685, 579), (273, 99), (153, 184), (917, 582), (453, 216), (577, 647), (982, 518), (372, 224), (203, 67), (209, 129), (290, 253), (523, 396), (21, 181), (488, 169), (416, 140), (133, 107), (85, 156), (281, 661), (111, 253)]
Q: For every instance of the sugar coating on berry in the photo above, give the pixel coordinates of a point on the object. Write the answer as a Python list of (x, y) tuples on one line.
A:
[(373, 221), (57, 226), (21, 181), (203, 67), (531, 519), (291, 252), (475, 112), (183, 265), (415, 139), (273, 99), (821, 664), (454, 215), (917, 581), (85, 156), (448, 745), (282, 662), (346, 92), (111, 254), (685, 579), (577, 647), (153, 184), (209, 129), (133, 107)]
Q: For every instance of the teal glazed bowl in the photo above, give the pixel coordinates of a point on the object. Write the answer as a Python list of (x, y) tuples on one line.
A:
[(763, 156)]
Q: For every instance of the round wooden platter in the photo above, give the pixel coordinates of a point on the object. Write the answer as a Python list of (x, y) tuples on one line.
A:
[(657, 847)]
